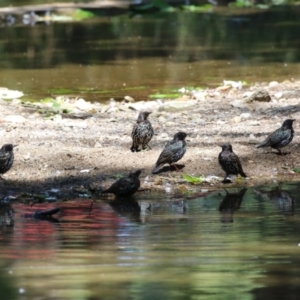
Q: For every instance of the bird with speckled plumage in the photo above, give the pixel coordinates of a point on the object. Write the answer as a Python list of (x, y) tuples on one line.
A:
[(280, 137), (230, 162), (142, 132), (126, 186), (173, 151), (6, 158)]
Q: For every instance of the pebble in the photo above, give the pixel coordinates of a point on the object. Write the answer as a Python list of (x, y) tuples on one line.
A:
[(83, 105), (236, 119), (129, 99), (278, 95), (273, 84), (245, 116)]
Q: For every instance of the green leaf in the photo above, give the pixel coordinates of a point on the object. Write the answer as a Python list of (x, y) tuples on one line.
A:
[(193, 179), (297, 170)]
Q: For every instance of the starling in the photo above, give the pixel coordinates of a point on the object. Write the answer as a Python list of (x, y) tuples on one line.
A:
[(6, 158), (230, 162), (126, 186), (142, 132), (280, 137), (173, 151)]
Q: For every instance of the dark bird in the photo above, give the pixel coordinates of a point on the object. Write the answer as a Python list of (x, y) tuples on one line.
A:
[(230, 162), (6, 158), (230, 203), (280, 137), (126, 186), (173, 151), (142, 132)]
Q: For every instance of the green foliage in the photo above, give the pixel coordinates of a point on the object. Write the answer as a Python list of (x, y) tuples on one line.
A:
[(81, 14), (198, 8), (193, 179), (297, 170), (165, 96)]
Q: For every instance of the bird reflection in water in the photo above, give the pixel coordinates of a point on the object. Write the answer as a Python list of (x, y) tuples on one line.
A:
[(128, 208), (282, 198), (7, 215), (230, 203), (44, 215)]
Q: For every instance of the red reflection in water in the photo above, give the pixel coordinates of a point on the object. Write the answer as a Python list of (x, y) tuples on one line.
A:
[(76, 225)]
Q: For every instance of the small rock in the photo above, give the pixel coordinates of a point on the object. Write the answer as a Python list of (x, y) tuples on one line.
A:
[(254, 123), (129, 99), (278, 95), (83, 105), (273, 84), (236, 119), (26, 157), (245, 116), (260, 95)]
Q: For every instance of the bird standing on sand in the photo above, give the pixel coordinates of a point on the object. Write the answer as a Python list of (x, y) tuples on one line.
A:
[(142, 132), (280, 137), (6, 158), (126, 186), (230, 162), (173, 151)]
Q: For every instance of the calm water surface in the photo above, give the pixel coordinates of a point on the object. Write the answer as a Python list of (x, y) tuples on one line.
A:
[(240, 246), (142, 55)]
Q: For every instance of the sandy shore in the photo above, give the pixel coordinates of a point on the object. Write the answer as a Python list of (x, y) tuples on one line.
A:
[(63, 155)]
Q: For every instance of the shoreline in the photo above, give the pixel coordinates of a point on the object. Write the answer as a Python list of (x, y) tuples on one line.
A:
[(62, 155)]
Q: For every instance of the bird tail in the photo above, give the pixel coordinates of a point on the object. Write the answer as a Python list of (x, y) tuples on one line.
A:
[(156, 169), (243, 174), (261, 145)]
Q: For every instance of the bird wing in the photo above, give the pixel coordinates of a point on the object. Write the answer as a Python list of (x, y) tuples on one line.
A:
[(277, 136), (4, 156), (168, 152)]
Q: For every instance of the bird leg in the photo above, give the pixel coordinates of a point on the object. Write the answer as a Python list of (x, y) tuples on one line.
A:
[(280, 152), (177, 170)]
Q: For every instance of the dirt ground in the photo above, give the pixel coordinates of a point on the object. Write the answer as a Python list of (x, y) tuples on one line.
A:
[(63, 156)]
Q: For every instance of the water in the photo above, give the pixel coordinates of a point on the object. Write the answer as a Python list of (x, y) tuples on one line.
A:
[(242, 246), (142, 55)]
